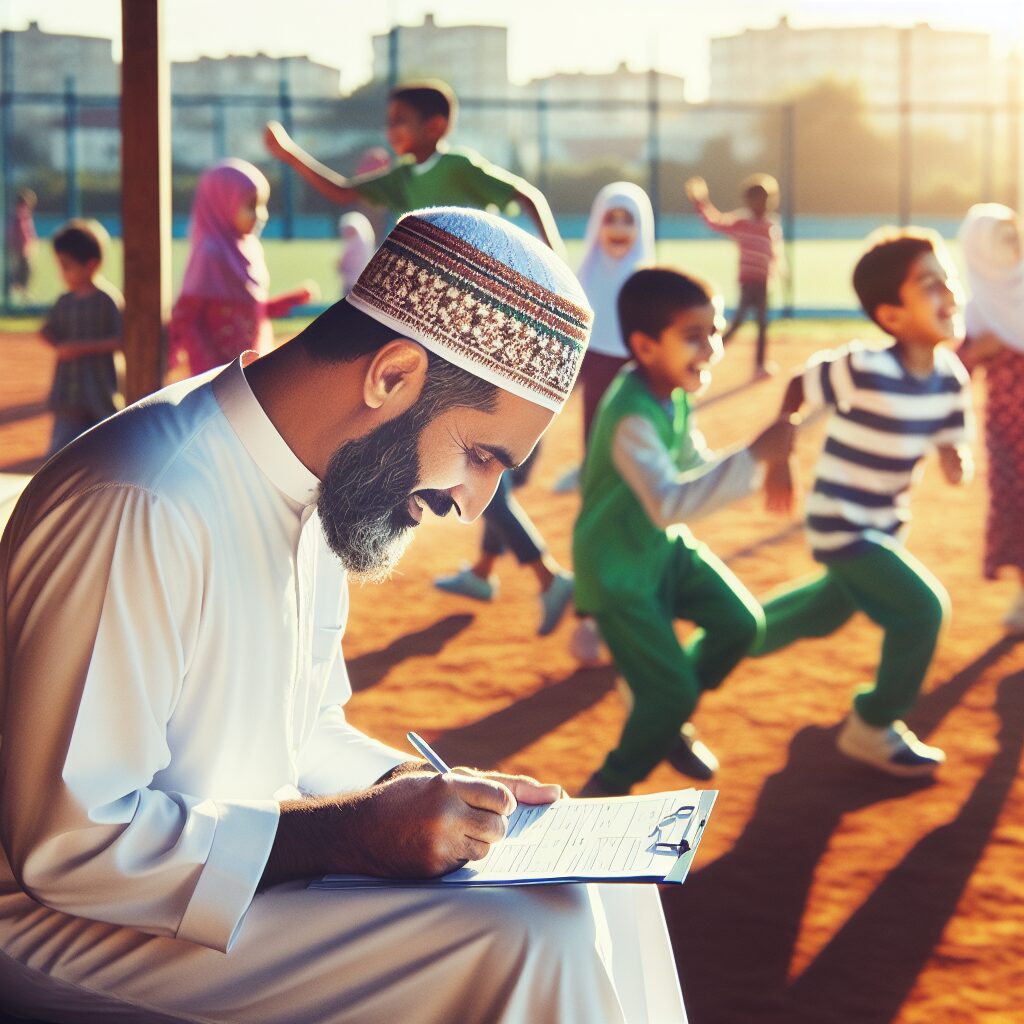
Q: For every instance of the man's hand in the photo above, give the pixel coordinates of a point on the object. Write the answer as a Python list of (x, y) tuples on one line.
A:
[(277, 140), (957, 463), (524, 788), (776, 442), (416, 825)]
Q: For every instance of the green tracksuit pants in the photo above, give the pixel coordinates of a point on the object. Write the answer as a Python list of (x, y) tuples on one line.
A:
[(895, 591), (665, 678)]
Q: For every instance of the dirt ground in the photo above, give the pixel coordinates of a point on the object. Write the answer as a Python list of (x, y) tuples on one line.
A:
[(822, 893)]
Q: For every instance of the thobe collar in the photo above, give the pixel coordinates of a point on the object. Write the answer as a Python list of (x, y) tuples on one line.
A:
[(267, 448)]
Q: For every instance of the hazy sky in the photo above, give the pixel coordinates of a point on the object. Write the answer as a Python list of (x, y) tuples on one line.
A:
[(544, 35)]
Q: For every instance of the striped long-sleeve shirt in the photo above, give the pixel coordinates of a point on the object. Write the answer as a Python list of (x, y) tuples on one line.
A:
[(759, 240), (883, 421)]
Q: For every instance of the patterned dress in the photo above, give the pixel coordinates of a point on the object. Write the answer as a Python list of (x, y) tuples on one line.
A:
[(1004, 439)]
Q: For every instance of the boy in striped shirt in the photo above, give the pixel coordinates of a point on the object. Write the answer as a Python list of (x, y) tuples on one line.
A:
[(888, 407)]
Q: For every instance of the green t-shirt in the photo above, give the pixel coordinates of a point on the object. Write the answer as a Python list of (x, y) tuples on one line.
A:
[(618, 552), (456, 178)]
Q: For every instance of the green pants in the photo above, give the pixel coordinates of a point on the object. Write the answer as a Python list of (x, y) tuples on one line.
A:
[(895, 591), (667, 680)]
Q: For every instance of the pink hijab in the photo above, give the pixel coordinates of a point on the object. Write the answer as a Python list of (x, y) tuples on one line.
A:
[(221, 263)]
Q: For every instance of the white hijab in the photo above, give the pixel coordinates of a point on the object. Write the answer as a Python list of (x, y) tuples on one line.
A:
[(995, 277), (602, 275), (360, 243)]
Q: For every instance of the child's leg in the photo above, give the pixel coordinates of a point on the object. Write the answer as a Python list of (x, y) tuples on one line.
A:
[(708, 593), (898, 593), (742, 309), (663, 682), (759, 296), (812, 607)]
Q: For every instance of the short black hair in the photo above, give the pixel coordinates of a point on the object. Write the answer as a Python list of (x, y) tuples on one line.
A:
[(651, 297), (28, 197), (763, 183), (345, 333), (429, 98), (82, 240), (885, 264)]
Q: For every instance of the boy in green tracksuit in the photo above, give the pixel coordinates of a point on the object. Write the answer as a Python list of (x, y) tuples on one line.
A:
[(638, 568)]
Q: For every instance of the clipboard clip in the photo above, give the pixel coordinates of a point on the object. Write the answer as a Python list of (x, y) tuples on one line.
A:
[(685, 813)]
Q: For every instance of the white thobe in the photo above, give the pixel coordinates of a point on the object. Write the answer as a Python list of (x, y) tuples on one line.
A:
[(171, 671)]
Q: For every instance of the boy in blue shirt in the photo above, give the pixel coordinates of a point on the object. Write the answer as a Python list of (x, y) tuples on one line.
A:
[(638, 568), (888, 407)]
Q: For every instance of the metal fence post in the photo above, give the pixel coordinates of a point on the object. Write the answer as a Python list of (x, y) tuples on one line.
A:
[(904, 168), (284, 100), (653, 147), (6, 130), (220, 130), (788, 112), (543, 154), (1013, 129), (72, 192)]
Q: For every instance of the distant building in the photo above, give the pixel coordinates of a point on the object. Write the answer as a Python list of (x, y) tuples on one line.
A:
[(472, 59), (255, 75), (594, 115), (942, 66), (32, 60)]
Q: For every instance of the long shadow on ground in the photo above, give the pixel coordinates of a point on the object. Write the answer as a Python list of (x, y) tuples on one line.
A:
[(492, 739), (369, 669), (735, 923)]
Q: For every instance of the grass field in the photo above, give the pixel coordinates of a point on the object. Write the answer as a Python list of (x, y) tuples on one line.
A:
[(820, 268)]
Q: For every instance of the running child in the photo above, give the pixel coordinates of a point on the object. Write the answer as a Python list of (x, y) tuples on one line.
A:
[(638, 567), (224, 307), (888, 407), (758, 233)]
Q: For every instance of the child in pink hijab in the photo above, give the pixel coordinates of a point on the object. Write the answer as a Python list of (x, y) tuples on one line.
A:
[(224, 308)]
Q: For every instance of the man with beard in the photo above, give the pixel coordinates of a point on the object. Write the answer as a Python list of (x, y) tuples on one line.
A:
[(175, 754)]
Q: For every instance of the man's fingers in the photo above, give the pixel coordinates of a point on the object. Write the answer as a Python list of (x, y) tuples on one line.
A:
[(483, 794), (484, 826)]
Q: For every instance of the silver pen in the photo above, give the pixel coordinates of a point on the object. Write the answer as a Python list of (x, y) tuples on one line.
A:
[(428, 752)]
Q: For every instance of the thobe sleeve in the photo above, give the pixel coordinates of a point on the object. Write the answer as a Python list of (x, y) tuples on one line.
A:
[(671, 496), (104, 596), (338, 757)]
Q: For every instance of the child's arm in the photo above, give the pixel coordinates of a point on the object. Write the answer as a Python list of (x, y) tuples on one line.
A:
[(536, 207), (327, 182), (697, 193), (670, 496), (957, 463), (779, 477), (281, 305), (979, 349), (79, 349)]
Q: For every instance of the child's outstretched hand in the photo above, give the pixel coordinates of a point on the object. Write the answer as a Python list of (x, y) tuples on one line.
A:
[(697, 190), (775, 442), (957, 463), (780, 486), (276, 139)]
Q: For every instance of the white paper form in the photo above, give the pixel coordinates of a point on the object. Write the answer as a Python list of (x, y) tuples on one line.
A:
[(630, 838)]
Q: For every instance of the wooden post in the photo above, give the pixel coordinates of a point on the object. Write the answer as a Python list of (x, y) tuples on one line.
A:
[(145, 193)]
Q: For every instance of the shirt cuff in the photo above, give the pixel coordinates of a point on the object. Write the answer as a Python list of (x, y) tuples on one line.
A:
[(243, 836)]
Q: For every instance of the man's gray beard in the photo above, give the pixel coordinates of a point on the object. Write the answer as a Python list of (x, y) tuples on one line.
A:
[(364, 497)]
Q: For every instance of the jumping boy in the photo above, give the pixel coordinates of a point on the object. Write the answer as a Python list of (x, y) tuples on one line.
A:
[(757, 232), (638, 568), (84, 327), (428, 172), (888, 407)]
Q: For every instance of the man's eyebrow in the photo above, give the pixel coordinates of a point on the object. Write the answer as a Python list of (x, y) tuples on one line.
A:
[(503, 455)]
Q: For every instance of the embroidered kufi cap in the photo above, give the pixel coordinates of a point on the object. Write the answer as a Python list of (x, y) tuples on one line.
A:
[(483, 294)]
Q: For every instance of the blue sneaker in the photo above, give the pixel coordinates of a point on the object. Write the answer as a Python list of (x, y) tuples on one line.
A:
[(467, 584), (554, 601)]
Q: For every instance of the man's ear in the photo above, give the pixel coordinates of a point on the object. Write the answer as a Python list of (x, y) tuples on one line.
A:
[(888, 316), (395, 374)]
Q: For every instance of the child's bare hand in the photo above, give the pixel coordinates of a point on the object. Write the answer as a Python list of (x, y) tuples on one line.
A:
[(312, 289), (780, 487), (776, 442), (957, 463), (980, 349), (276, 139), (697, 190)]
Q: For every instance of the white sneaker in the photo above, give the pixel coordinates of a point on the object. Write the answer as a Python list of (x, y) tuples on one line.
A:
[(889, 748), (1013, 620), (585, 644), (691, 756)]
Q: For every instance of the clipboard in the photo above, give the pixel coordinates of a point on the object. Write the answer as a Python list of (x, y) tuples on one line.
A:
[(646, 838)]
